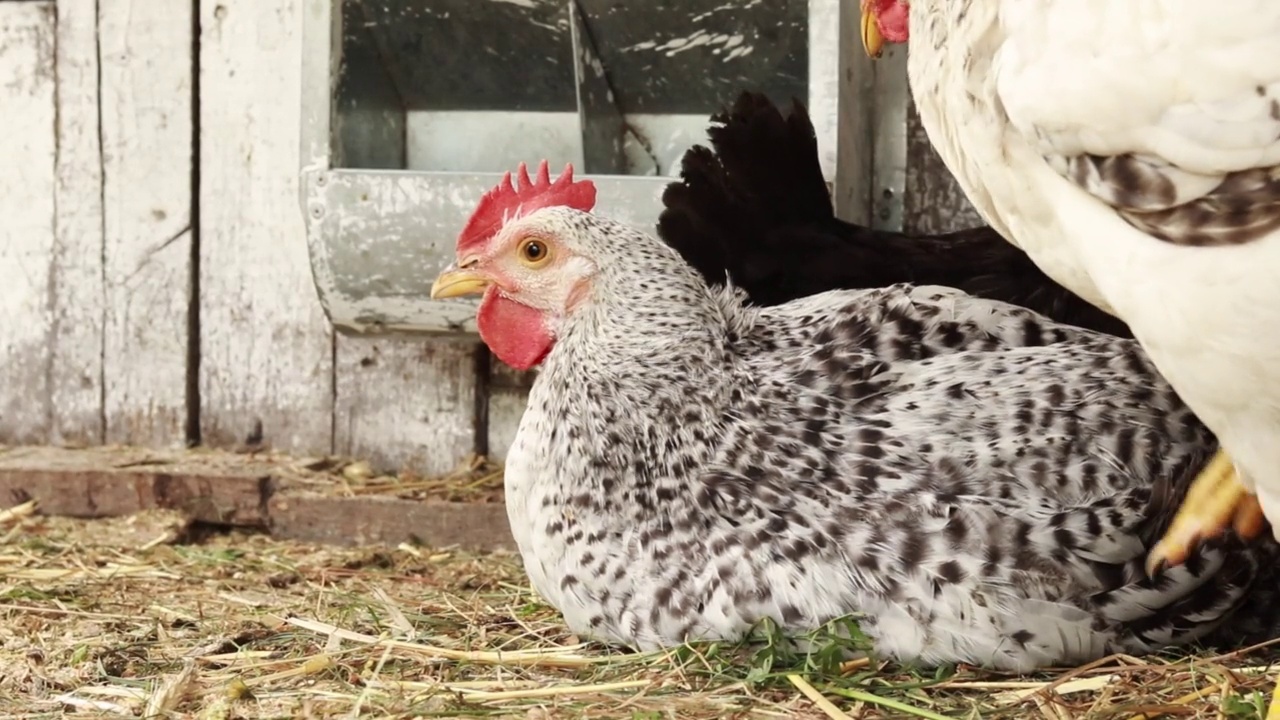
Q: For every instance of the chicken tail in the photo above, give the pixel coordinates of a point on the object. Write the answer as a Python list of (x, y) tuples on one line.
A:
[(755, 208), (1236, 597)]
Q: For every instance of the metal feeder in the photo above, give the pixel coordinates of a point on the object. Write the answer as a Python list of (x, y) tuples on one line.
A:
[(413, 108)]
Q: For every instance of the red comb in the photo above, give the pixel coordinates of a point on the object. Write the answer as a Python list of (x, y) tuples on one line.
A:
[(506, 201)]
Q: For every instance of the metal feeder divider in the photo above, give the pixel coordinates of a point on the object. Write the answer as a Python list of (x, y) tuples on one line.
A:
[(413, 108)]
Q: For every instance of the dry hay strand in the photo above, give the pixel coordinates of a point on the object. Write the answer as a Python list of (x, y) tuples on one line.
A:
[(102, 618)]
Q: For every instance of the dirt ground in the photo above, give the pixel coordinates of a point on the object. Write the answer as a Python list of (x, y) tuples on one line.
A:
[(149, 615)]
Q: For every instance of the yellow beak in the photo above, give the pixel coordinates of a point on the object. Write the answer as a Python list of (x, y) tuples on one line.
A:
[(872, 40), (456, 282)]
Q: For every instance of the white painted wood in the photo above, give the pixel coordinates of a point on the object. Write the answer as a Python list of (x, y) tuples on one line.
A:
[(859, 114), (841, 106), (76, 282), (146, 134), (27, 180), (508, 396), (825, 78), (506, 407), (266, 348), (405, 403)]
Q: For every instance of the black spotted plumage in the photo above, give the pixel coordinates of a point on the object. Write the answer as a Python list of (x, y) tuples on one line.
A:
[(755, 208), (979, 483), (1134, 154), (1242, 207)]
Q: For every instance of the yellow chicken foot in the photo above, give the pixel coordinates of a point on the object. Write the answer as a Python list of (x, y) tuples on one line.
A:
[(1216, 499), (1273, 710)]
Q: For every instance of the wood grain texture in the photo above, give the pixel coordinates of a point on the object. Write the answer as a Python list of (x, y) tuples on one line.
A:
[(266, 367), (76, 281), (112, 482), (386, 521), (27, 182), (274, 493), (841, 77), (146, 67), (405, 403), (934, 202), (508, 396)]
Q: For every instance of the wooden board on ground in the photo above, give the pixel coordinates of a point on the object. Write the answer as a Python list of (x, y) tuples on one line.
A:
[(317, 499), (405, 403), (388, 521), (109, 482), (266, 371), (145, 57), (27, 241), (76, 372)]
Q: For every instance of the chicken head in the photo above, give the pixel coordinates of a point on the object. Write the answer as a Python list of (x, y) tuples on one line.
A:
[(884, 21), (518, 258)]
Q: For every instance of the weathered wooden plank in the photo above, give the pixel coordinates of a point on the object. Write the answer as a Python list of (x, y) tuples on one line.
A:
[(110, 482), (934, 202), (389, 521), (842, 107), (76, 282), (27, 181), (508, 395), (147, 150), (268, 492), (266, 349), (405, 403)]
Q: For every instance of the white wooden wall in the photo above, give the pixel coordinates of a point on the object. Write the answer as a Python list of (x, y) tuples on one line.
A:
[(155, 287), (95, 219), (119, 247)]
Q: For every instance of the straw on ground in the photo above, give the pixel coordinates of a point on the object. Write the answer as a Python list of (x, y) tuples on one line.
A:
[(100, 617)]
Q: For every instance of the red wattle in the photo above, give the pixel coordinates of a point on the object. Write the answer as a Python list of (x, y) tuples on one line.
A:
[(894, 19), (516, 333)]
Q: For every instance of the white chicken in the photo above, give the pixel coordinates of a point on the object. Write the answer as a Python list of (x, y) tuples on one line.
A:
[(1132, 149)]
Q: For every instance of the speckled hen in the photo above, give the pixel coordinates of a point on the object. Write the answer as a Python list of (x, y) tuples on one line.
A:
[(979, 482), (1132, 149)]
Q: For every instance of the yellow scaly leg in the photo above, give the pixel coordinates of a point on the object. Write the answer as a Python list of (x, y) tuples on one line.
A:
[(1273, 710), (1215, 501)]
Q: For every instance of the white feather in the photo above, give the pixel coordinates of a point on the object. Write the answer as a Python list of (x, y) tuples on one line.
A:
[(1005, 87)]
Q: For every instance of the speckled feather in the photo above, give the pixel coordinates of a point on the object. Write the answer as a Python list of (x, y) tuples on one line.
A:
[(754, 208), (1133, 151), (979, 482)]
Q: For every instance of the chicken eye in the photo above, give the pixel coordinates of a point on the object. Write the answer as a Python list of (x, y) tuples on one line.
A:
[(534, 252)]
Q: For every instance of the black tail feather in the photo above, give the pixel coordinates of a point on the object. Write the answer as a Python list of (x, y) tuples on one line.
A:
[(756, 209)]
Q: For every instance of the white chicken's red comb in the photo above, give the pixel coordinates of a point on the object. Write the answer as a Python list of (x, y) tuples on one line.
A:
[(507, 201)]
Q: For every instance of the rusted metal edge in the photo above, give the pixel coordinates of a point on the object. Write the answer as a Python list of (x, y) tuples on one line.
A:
[(96, 483)]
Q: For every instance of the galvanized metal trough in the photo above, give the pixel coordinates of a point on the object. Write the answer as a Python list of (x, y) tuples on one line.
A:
[(413, 108)]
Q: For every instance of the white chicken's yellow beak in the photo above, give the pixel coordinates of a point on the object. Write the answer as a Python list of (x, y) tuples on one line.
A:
[(872, 40), (456, 282)]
